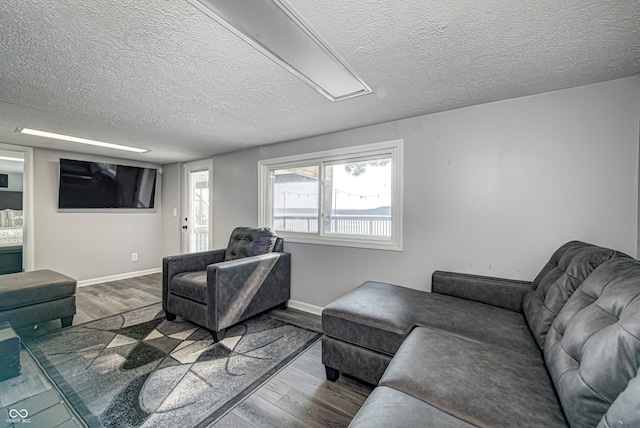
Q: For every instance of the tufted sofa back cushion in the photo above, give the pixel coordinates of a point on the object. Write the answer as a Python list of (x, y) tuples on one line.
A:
[(568, 267), (592, 350), (250, 241)]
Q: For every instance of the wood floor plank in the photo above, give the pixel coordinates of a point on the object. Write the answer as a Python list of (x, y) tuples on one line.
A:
[(273, 390), (29, 383), (316, 350), (311, 365), (297, 317), (312, 412), (232, 421), (356, 385), (340, 398), (39, 402), (51, 417), (260, 413)]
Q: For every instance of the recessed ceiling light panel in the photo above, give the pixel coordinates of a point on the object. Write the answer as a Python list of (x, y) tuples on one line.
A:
[(277, 31), (62, 137)]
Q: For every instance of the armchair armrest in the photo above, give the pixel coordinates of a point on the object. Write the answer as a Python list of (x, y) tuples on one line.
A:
[(173, 265), (500, 292), (191, 262), (244, 287)]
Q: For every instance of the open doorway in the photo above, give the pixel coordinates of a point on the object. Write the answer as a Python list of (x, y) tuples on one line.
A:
[(14, 200), (196, 207)]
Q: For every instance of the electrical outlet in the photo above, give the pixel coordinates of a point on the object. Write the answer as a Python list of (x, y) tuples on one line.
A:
[(134, 257)]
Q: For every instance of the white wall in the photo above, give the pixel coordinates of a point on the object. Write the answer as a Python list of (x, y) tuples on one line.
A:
[(90, 245), (492, 189), (15, 182), (171, 225)]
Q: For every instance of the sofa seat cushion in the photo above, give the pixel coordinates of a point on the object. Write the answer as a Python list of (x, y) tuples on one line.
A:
[(476, 382), (379, 317), (28, 288), (388, 407), (191, 285), (567, 269)]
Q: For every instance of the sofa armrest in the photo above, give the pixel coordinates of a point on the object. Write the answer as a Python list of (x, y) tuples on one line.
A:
[(243, 287), (173, 265), (500, 292)]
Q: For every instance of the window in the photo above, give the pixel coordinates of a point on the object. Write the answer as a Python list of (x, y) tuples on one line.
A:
[(347, 197)]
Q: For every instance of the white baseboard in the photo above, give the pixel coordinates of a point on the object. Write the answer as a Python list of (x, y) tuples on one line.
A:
[(295, 304), (117, 277), (305, 307)]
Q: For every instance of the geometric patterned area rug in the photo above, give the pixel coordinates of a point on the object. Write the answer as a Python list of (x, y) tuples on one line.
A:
[(136, 369)]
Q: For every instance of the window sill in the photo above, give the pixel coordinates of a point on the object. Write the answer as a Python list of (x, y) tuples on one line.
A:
[(340, 241)]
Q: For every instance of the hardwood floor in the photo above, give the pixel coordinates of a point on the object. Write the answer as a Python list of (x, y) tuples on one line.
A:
[(297, 396)]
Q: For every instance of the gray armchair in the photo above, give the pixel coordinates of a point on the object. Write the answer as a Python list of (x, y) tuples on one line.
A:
[(217, 289)]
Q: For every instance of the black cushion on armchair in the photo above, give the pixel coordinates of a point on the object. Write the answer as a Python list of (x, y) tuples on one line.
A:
[(250, 241)]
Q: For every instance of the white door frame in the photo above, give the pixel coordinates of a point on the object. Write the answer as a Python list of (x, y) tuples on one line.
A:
[(188, 168)]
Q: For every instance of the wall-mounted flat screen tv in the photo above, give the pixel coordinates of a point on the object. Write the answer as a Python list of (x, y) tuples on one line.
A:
[(85, 184), (4, 180)]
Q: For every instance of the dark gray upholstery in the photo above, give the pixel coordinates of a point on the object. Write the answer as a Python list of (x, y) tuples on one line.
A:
[(593, 348), (216, 293), (498, 292), (388, 407), (358, 361), (250, 241), (477, 382), (378, 317), (466, 354), (28, 298), (568, 267)]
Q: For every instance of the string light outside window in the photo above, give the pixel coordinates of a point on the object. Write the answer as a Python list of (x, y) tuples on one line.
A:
[(347, 197)]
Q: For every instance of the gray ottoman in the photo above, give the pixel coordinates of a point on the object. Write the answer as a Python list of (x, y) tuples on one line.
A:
[(28, 298)]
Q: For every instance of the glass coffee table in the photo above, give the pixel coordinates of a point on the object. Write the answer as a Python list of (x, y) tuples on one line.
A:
[(28, 397)]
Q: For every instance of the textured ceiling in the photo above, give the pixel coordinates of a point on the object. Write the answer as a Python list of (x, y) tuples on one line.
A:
[(161, 75)]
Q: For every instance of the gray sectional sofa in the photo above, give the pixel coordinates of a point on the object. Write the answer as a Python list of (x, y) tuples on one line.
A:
[(563, 350)]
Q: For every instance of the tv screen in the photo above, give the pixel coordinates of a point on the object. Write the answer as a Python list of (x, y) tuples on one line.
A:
[(85, 184), (4, 180)]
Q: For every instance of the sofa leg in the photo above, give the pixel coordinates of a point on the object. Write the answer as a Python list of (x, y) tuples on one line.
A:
[(332, 374), (283, 305), (66, 321), (218, 335), (169, 316)]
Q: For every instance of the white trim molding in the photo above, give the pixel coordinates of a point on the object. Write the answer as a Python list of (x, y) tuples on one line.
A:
[(28, 242), (320, 160), (118, 277), (305, 307)]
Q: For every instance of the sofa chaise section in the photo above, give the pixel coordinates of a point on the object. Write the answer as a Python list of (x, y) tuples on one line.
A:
[(365, 327), (589, 376), (480, 351), (388, 407), (475, 382)]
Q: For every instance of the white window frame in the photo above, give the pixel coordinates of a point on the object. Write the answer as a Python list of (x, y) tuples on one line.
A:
[(265, 194)]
